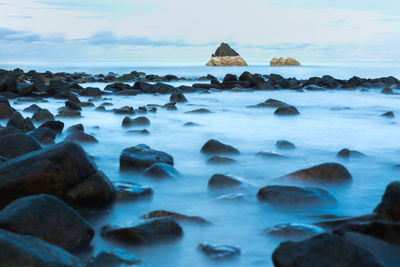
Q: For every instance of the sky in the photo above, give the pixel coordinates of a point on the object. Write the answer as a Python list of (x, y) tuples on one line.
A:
[(189, 30)]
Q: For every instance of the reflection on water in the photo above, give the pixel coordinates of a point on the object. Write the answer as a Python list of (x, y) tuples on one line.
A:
[(329, 121)]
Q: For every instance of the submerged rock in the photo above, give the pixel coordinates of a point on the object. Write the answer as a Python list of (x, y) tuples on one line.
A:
[(388, 114), (293, 230), (220, 160), (114, 258), (161, 170), (141, 157), (284, 62), (226, 56), (284, 144), (200, 111), (213, 146), (151, 231), (48, 218), (132, 191), (347, 153), (218, 252), (221, 181), (173, 215), (327, 172), (387, 91), (286, 110), (177, 97)]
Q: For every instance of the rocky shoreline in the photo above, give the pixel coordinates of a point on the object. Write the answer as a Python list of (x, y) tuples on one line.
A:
[(45, 185)]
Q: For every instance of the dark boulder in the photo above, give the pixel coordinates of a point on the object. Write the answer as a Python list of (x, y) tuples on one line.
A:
[(177, 97), (150, 231), (141, 157), (67, 112), (326, 250), (56, 126), (387, 91), (347, 153), (224, 50), (80, 137), (73, 105), (15, 145), (42, 115), (271, 103), (32, 108), (293, 230), (213, 146), (131, 191), (284, 144), (218, 252), (389, 208), (220, 160), (17, 121), (45, 136), (388, 114), (291, 195), (48, 218), (140, 121), (199, 111), (5, 111), (287, 110), (27, 251), (9, 130), (91, 91), (75, 128), (327, 172), (173, 215), (270, 155), (161, 170), (125, 110), (114, 258), (141, 132), (221, 181)]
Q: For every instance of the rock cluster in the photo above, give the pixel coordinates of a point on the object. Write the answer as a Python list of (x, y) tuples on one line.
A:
[(226, 56), (284, 62)]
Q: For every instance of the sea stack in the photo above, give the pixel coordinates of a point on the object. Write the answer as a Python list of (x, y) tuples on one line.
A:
[(226, 56), (284, 62)]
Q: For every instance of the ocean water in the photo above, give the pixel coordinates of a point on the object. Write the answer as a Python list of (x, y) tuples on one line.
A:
[(329, 121)]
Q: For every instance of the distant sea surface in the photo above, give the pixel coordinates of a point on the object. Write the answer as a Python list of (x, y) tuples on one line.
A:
[(340, 70)]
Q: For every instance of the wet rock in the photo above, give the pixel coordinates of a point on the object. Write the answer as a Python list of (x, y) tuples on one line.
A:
[(347, 153), (124, 110), (161, 170), (151, 231), (220, 160), (270, 155), (284, 62), (187, 89), (9, 130), (86, 104), (100, 108), (67, 112), (177, 97), (15, 145), (335, 251), (290, 195), (213, 146), (387, 91), (221, 181), (173, 215), (132, 191), (58, 170), (140, 121), (170, 106), (44, 136), (199, 111), (388, 114), (190, 124), (56, 126), (114, 258), (141, 132), (293, 230), (284, 144), (5, 111), (17, 121), (24, 250), (48, 218), (75, 128), (4, 100), (80, 137), (42, 115), (327, 173), (389, 208), (287, 110), (73, 105), (129, 92), (333, 223), (32, 108), (91, 91), (141, 157), (218, 252)]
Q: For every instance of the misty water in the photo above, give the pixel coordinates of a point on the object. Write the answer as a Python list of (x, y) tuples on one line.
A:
[(329, 121)]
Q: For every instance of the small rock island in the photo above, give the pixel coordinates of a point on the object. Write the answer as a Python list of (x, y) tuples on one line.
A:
[(284, 62), (226, 56)]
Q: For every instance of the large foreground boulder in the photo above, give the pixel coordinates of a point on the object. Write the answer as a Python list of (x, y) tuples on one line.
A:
[(326, 250), (140, 157), (389, 208), (63, 170), (27, 251), (327, 173), (226, 56), (49, 219), (15, 145)]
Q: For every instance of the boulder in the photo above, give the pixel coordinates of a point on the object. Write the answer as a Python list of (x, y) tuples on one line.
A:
[(60, 170), (15, 145), (347, 153), (218, 252), (5, 111), (213, 146), (125, 110), (173, 215), (199, 111), (287, 110), (220, 160), (161, 170), (177, 97), (45, 136), (292, 195), (284, 62), (270, 155), (32, 108), (150, 231), (42, 115), (67, 112), (221, 181), (141, 157), (9, 130), (17, 121), (73, 105), (75, 128), (293, 230), (284, 144), (131, 191), (326, 172), (388, 114), (91, 91), (56, 126), (80, 137), (389, 208), (326, 250), (271, 103), (48, 218), (224, 50), (387, 91), (26, 251), (114, 258)]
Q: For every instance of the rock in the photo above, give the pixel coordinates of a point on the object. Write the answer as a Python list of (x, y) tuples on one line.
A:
[(87, 104), (226, 56), (218, 252), (170, 106), (326, 250), (48, 218), (132, 191), (140, 121), (287, 110), (389, 208), (73, 105), (100, 108), (32, 108), (114, 258), (284, 144), (293, 230), (124, 110), (333, 223), (15, 145), (213, 146), (224, 50), (42, 115), (387, 91), (190, 124), (68, 113), (142, 132), (91, 91), (161, 170), (327, 173), (9, 130), (346, 153), (5, 111), (45, 136), (25, 251), (200, 110), (56, 126), (270, 155), (173, 215), (141, 157), (177, 97), (150, 231), (221, 181), (17, 121), (388, 114), (220, 160), (284, 62), (291, 195), (4, 100), (75, 128), (271, 103), (80, 137), (58, 170)]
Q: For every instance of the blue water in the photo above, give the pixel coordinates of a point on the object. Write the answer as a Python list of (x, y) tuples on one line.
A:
[(329, 121)]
